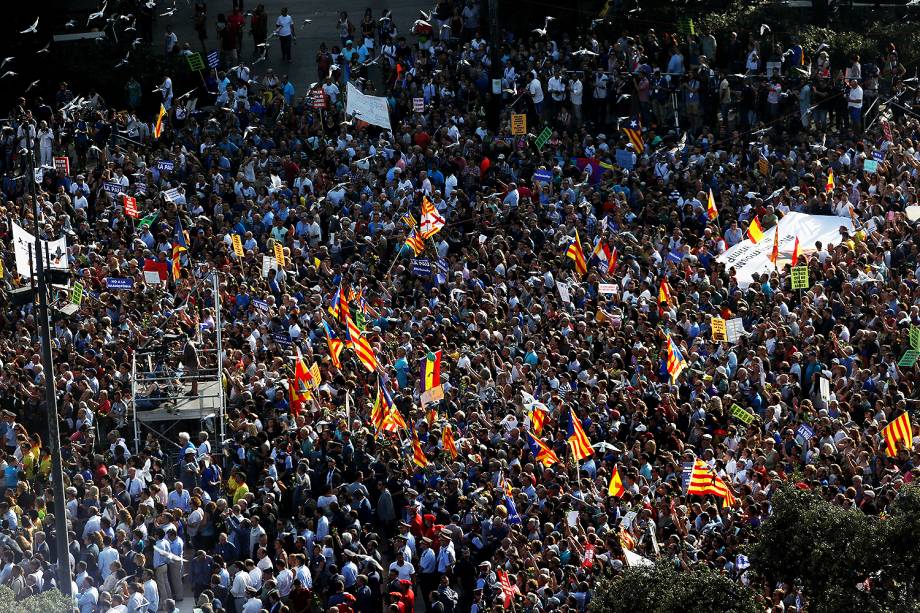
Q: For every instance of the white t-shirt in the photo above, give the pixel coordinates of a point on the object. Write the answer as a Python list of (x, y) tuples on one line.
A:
[(536, 91), (403, 572), (284, 25)]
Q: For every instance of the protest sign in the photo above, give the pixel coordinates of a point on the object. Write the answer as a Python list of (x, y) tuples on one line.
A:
[(741, 415), (518, 124), (719, 331), (800, 277), (119, 283)]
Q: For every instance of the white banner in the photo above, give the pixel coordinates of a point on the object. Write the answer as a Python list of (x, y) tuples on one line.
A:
[(369, 109), (748, 259), (24, 244)]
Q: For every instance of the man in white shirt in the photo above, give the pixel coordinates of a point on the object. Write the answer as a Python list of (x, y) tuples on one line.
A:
[(576, 95), (404, 569), (284, 28), (238, 590), (535, 89), (556, 91), (855, 104)]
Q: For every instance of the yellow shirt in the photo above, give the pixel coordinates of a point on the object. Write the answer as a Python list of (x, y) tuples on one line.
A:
[(241, 492)]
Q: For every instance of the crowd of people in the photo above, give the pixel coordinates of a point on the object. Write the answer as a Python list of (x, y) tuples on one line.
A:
[(435, 457)]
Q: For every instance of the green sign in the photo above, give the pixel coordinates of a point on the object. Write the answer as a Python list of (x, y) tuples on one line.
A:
[(195, 61), (909, 358), (76, 294), (741, 414), (800, 277), (543, 138), (914, 337)]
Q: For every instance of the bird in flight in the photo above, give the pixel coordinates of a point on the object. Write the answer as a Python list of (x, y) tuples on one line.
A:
[(32, 29)]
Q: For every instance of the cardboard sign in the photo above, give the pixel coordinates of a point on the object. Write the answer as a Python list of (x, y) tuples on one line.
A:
[(113, 188), (518, 124), (543, 176), (315, 376), (76, 294), (741, 415), (734, 329), (318, 98), (870, 166), (914, 336), (719, 331), (421, 267), (909, 359), (606, 288), (195, 61), (800, 277), (172, 194), (268, 263), (119, 282), (430, 396), (805, 431), (418, 105), (824, 386), (165, 165), (62, 164), (279, 254), (237, 245), (152, 277), (131, 207), (543, 138), (564, 292)]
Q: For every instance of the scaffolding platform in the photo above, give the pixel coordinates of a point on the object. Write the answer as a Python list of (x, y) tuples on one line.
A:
[(206, 403)]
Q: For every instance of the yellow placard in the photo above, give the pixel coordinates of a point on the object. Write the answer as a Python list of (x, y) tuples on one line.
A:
[(315, 376), (518, 124), (800, 277), (719, 333), (279, 254), (237, 245)]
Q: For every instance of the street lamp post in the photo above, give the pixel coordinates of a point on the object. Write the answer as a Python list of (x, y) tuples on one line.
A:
[(54, 436)]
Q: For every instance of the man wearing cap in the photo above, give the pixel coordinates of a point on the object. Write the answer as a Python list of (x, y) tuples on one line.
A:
[(428, 570)]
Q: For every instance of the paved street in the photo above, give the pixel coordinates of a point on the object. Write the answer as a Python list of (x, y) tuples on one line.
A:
[(309, 35)]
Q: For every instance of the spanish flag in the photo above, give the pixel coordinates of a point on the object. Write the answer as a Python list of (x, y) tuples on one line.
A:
[(616, 484), (676, 362), (830, 185), (418, 454), (158, 127), (447, 441), (179, 245), (796, 254), (360, 345), (704, 481), (542, 452), (612, 264), (578, 440), (774, 255), (898, 432), (574, 252), (755, 231), (664, 295), (431, 371), (297, 399), (711, 211), (335, 345)]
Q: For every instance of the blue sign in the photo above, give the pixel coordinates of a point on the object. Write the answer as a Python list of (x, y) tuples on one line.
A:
[(165, 165), (113, 188), (421, 268), (119, 282), (260, 304), (140, 188), (282, 339), (879, 156), (543, 176), (805, 432), (624, 159)]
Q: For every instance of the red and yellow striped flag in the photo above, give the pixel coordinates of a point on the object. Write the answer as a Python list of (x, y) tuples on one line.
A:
[(898, 432), (158, 127), (755, 231), (447, 440), (705, 481), (418, 454), (578, 440), (616, 484), (575, 252), (360, 345)]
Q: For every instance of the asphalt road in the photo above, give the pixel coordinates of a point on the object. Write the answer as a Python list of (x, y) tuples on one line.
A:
[(322, 28)]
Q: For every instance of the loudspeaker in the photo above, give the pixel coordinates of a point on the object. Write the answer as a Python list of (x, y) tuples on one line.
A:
[(21, 296)]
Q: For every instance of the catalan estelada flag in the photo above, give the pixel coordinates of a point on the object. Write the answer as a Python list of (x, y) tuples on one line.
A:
[(676, 362), (383, 404), (542, 452), (430, 375), (616, 484), (409, 219), (158, 127), (704, 481), (578, 440), (755, 231), (335, 345), (898, 433), (537, 420), (796, 254), (418, 454), (302, 376), (338, 306), (830, 185), (447, 441), (633, 131), (711, 211), (575, 252), (415, 242), (432, 222), (179, 245), (360, 345)]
